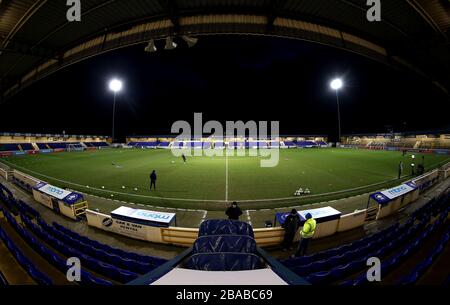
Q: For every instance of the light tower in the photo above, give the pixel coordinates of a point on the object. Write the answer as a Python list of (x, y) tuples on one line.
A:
[(337, 84), (115, 86)]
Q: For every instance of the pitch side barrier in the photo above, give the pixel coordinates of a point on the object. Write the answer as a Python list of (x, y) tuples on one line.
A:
[(436, 151), (161, 228)]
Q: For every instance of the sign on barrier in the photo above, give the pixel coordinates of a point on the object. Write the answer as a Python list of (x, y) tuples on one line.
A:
[(145, 217), (53, 190)]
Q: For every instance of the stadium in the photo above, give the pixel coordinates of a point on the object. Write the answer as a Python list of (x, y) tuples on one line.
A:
[(290, 89)]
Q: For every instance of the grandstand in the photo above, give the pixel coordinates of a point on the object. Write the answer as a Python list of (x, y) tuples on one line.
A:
[(236, 143), (419, 140)]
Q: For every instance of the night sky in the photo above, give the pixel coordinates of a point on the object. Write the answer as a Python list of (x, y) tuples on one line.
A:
[(228, 78)]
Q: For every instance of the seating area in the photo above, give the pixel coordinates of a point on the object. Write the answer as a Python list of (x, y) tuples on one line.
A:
[(57, 145), (219, 145), (96, 144), (26, 146), (289, 144), (143, 144), (422, 267), (306, 144), (9, 147), (55, 242), (39, 277), (163, 144), (234, 145), (393, 245), (224, 245)]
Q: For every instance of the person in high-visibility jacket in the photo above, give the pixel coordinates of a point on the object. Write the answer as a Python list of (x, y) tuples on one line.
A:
[(306, 233)]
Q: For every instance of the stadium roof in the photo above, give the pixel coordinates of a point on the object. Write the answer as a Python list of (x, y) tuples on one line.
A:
[(36, 39)]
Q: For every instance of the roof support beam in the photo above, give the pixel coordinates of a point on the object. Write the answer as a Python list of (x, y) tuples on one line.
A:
[(273, 11), (172, 12), (31, 11), (423, 13)]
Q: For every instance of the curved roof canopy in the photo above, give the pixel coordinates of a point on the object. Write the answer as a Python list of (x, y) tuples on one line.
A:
[(36, 38)]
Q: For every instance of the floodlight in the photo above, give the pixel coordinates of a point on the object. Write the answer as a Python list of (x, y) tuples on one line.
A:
[(170, 44), (115, 85), (336, 84), (191, 41), (150, 47), (413, 156)]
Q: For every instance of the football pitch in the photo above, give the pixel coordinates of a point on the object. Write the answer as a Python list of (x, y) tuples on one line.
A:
[(205, 182)]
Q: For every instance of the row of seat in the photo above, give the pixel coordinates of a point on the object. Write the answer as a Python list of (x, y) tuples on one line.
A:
[(137, 262), (23, 261), (55, 259), (14, 204), (351, 261), (6, 196), (341, 250), (337, 272), (94, 264), (99, 254), (422, 267), (340, 271), (224, 245), (392, 262), (96, 144), (433, 207), (225, 227), (16, 146), (145, 259), (224, 261)]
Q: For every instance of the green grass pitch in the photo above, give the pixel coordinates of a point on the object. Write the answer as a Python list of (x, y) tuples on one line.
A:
[(207, 182)]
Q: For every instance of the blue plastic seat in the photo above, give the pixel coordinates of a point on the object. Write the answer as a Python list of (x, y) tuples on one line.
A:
[(39, 277), (321, 277), (223, 261), (126, 276), (224, 243)]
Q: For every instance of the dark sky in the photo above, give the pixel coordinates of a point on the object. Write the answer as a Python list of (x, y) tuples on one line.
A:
[(228, 78)]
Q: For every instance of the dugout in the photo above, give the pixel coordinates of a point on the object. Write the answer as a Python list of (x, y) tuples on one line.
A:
[(393, 199), (61, 201)]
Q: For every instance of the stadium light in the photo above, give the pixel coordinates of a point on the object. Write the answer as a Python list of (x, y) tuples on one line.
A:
[(150, 48), (191, 41), (115, 86), (170, 44), (337, 84)]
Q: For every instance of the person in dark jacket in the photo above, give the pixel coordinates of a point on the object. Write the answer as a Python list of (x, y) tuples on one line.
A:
[(290, 225), (153, 180), (233, 212)]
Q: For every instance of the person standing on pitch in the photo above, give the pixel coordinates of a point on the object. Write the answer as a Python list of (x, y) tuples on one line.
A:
[(184, 158), (233, 212), (306, 233), (290, 225), (153, 180)]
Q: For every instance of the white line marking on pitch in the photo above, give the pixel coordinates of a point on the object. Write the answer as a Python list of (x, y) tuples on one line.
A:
[(249, 218), (226, 176), (203, 217)]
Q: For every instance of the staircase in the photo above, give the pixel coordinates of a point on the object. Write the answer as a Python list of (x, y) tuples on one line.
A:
[(35, 147)]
